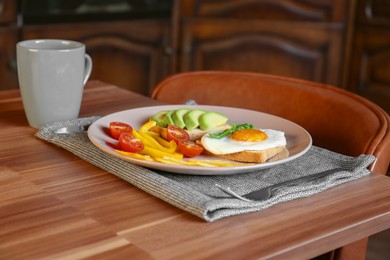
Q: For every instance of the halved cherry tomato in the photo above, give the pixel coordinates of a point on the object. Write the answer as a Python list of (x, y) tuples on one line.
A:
[(116, 128), (177, 134), (129, 143), (190, 149)]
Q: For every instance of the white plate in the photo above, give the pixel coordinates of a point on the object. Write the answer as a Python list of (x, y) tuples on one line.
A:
[(298, 139)]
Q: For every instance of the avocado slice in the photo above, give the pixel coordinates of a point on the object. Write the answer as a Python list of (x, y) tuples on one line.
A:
[(177, 117), (168, 117), (159, 118), (210, 120), (191, 118)]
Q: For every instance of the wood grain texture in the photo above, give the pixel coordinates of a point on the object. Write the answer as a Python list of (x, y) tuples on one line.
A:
[(54, 205)]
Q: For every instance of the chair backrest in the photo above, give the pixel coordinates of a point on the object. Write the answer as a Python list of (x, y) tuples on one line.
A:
[(337, 120)]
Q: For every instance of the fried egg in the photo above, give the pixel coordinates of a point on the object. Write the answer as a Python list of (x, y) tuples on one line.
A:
[(244, 140)]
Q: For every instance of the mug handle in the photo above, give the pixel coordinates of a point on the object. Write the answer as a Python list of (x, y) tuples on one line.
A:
[(87, 68)]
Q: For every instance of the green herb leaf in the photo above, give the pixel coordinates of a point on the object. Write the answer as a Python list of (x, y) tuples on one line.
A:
[(227, 132)]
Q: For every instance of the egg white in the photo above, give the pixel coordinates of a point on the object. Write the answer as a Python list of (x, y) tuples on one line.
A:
[(226, 145)]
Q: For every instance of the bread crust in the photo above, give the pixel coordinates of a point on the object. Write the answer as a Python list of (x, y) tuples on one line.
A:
[(253, 156)]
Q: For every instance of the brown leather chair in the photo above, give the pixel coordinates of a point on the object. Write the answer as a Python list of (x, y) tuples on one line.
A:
[(337, 120)]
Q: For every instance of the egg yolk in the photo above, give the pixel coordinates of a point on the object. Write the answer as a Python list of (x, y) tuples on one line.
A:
[(249, 135)]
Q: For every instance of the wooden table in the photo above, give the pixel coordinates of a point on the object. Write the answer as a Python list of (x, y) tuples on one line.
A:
[(53, 204)]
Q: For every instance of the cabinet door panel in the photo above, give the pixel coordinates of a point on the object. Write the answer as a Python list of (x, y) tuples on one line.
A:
[(292, 10), (374, 11), (130, 65), (129, 54), (7, 11), (370, 75), (8, 73), (300, 50)]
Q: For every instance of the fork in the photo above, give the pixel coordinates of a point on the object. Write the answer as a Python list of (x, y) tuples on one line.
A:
[(266, 193), (72, 129)]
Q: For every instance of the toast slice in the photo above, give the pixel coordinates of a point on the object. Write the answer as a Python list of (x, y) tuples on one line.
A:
[(283, 154), (260, 156)]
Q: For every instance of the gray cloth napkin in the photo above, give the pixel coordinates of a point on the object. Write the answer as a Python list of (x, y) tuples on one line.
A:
[(198, 194)]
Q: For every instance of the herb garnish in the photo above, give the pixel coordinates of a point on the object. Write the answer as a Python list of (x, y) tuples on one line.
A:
[(227, 132)]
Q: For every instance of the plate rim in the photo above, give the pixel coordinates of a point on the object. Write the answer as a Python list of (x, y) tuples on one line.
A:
[(197, 170)]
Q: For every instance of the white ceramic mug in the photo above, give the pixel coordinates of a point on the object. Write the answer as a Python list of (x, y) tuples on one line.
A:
[(52, 74)]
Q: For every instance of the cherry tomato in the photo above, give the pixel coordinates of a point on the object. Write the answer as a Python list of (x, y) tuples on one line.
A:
[(177, 134), (190, 149), (116, 128), (129, 143)]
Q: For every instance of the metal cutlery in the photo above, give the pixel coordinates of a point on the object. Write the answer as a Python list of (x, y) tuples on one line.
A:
[(72, 129), (266, 193)]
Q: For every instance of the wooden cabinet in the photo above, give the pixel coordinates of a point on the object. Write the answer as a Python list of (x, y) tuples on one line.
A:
[(345, 43), (131, 54), (265, 47), (370, 62), (301, 39), (8, 39), (7, 11), (130, 47)]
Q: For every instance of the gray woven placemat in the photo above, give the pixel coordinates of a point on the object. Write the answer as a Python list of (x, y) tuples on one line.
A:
[(198, 194)]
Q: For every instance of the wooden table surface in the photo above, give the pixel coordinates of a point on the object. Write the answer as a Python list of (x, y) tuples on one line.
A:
[(53, 205)]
